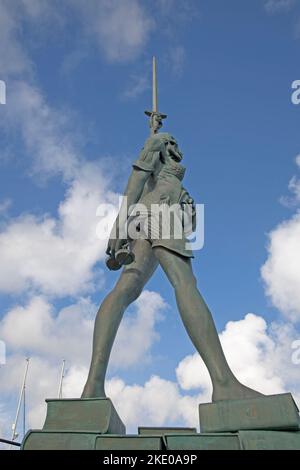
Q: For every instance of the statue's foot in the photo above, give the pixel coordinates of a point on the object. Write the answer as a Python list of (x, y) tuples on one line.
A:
[(233, 391)]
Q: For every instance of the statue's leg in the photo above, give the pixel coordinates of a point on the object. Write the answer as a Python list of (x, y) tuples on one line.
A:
[(200, 326), (127, 289)]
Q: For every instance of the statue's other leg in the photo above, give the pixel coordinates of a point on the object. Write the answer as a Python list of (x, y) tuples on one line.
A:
[(200, 326), (127, 289)]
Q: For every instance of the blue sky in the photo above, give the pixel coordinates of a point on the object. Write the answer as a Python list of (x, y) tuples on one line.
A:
[(78, 81)]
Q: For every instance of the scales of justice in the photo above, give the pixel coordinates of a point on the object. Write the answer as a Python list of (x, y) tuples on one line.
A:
[(238, 417)]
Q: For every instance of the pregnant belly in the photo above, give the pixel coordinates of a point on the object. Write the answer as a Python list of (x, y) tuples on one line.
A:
[(164, 191)]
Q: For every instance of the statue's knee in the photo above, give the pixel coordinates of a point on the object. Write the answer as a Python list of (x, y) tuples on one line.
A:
[(129, 291)]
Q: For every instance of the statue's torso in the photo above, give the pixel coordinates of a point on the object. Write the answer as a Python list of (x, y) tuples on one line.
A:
[(164, 184)]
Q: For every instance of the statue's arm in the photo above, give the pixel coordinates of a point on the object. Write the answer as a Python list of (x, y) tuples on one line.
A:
[(134, 189), (143, 167)]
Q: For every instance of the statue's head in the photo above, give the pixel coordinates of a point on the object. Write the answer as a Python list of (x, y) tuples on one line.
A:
[(166, 144)]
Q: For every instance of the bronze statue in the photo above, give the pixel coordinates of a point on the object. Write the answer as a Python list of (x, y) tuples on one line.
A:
[(156, 179)]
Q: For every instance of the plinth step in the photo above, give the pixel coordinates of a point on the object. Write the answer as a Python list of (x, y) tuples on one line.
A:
[(85, 414), (202, 442), (142, 430), (272, 412)]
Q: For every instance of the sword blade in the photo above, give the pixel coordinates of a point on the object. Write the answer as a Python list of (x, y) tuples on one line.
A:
[(154, 87)]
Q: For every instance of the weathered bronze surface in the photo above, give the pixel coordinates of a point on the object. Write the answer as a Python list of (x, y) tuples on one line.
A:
[(269, 440), (269, 412), (92, 422), (202, 442), (166, 430), (59, 440), (129, 442), (156, 179), (96, 415)]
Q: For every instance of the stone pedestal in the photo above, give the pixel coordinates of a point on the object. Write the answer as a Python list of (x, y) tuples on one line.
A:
[(269, 440), (270, 422), (201, 441), (272, 412), (129, 442), (75, 424), (142, 430)]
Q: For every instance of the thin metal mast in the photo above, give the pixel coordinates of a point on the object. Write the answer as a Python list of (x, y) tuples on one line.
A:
[(22, 395), (62, 375)]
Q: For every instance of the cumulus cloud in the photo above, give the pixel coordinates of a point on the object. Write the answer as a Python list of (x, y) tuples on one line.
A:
[(263, 361), (57, 255), (281, 271), (158, 402), (259, 356), (137, 332), (38, 331), (249, 349)]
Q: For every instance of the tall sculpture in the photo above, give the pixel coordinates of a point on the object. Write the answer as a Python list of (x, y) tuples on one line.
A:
[(156, 182), (156, 215)]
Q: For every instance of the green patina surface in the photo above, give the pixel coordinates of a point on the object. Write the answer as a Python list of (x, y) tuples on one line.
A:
[(129, 442), (273, 412), (165, 430), (202, 442), (89, 414), (93, 424), (269, 440)]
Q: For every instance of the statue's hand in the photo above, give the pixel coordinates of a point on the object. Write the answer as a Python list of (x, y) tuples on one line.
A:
[(114, 244), (189, 208)]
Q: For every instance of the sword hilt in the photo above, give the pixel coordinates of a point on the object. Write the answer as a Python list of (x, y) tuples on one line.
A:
[(155, 121)]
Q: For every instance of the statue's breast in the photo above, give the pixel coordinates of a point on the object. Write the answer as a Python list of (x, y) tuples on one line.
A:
[(171, 169)]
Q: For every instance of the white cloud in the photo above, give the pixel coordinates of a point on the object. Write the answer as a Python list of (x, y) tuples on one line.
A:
[(45, 131), (5, 204), (137, 332), (13, 59), (57, 255), (276, 6), (156, 403), (294, 188), (38, 331), (176, 59), (138, 85), (260, 357), (120, 29), (249, 349), (281, 271)]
